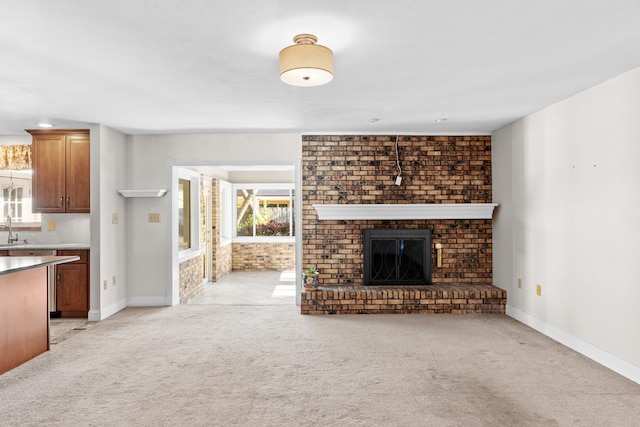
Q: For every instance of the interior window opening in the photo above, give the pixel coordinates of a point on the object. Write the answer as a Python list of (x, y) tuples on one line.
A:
[(184, 214)]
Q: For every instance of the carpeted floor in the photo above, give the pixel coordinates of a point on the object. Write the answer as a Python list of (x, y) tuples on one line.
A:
[(267, 365)]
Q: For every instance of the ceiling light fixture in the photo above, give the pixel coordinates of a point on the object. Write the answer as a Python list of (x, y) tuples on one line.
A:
[(306, 63), (45, 125)]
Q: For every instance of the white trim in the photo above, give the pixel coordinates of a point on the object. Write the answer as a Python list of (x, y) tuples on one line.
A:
[(147, 302), (594, 353), (194, 208), (188, 254), (408, 211), (173, 289), (143, 193), (225, 215), (103, 313), (94, 316), (297, 206), (263, 239)]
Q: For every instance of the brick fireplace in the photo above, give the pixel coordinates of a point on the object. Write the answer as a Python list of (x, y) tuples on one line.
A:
[(361, 169)]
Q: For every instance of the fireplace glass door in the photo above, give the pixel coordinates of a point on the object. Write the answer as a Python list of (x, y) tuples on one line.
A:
[(400, 257)]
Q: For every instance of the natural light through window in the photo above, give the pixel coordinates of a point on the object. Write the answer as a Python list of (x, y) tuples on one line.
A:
[(287, 288), (16, 197), (264, 211)]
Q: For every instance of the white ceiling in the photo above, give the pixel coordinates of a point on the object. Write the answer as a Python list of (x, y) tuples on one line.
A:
[(173, 66)]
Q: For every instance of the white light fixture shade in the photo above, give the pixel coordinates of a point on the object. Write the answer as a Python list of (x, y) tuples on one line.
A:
[(306, 63)]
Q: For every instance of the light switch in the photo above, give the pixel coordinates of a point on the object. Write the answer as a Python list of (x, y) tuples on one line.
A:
[(154, 217), (114, 218), (52, 225)]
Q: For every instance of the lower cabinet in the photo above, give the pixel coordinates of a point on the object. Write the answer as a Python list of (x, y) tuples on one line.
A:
[(72, 285), (72, 281)]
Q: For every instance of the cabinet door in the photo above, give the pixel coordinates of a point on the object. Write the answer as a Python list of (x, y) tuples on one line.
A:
[(77, 173), (48, 157), (72, 295)]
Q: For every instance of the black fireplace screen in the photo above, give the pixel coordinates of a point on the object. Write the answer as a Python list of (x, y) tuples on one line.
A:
[(400, 257)]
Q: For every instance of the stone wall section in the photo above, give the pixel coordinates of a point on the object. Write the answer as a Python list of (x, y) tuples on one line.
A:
[(191, 278), (223, 261), (359, 169)]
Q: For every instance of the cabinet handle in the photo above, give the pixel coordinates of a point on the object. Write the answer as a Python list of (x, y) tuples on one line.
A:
[(68, 201), (62, 201), (58, 277)]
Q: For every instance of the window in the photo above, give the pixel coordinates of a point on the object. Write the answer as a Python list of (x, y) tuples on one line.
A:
[(188, 213), (264, 211), (16, 198), (184, 214)]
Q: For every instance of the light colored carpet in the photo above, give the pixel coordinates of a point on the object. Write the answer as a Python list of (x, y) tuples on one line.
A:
[(62, 328), (252, 365)]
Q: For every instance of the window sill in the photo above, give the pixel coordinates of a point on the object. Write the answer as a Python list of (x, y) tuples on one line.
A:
[(22, 227), (265, 239), (188, 254)]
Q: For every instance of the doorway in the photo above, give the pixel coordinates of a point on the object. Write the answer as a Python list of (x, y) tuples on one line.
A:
[(218, 243)]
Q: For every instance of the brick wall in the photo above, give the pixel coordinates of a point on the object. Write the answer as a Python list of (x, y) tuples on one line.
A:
[(191, 278), (222, 255), (263, 256), (223, 261), (362, 169)]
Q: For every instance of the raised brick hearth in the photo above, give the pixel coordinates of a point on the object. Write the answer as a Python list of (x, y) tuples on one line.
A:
[(427, 299)]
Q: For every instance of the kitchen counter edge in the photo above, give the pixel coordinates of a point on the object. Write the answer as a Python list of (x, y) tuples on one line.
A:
[(10, 265)]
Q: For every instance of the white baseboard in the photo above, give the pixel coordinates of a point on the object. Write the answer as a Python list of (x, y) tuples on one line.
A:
[(146, 302), (97, 315), (594, 353)]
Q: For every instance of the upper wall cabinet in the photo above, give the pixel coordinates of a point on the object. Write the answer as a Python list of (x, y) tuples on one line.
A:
[(60, 171)]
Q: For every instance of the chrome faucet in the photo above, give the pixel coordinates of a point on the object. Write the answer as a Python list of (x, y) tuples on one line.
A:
[(11, 240)]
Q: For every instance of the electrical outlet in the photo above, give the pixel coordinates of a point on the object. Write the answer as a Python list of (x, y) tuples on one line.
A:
[(538, 290), (52, 225), (113, 280), (154, 217), (114, 218), (104, 285), (519, 283)]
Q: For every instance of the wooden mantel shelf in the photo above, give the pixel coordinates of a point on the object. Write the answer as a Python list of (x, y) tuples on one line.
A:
[(405, 211)]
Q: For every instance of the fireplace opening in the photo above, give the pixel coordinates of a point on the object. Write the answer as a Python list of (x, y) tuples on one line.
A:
[(397, 257)]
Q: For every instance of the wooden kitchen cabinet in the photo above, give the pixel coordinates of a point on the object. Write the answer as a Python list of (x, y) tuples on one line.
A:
[(60, 171), (72, 285)]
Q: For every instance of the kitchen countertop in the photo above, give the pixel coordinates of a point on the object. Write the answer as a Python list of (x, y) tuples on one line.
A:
[(10, 265), (62, 246)]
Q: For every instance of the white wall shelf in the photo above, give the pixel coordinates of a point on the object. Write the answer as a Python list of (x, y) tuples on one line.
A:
[(143, 193), (399, 212)]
